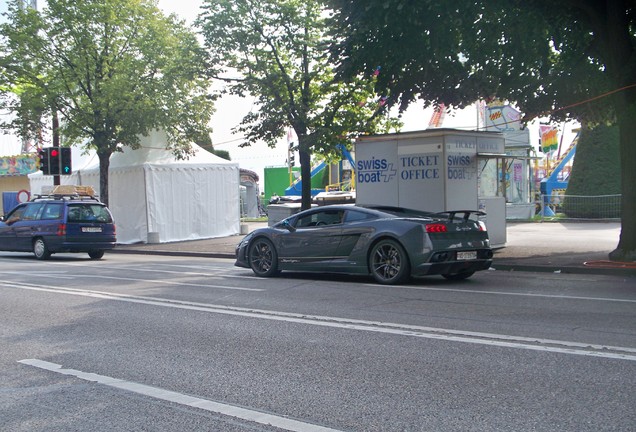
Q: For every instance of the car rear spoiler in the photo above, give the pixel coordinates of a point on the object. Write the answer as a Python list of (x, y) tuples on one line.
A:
[(466, 213)]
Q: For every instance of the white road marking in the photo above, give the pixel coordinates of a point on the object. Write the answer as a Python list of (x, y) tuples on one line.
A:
[(151, 281), (170, 282), (396, 287), (183, 399), (490, 339), (506, 293), (155, 270), (212, 272)]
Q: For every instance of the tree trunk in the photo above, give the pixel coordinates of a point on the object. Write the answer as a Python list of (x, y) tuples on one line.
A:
[(305, 176), (104, 164), (616, 35), (626, 250)]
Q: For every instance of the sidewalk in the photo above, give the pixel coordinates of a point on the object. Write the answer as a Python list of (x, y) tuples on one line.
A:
[(568, 247)]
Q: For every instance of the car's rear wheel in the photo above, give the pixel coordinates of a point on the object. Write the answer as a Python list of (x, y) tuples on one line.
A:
[(263, 258), (458, 276), (96, 254), (40, 249), (389, 263)]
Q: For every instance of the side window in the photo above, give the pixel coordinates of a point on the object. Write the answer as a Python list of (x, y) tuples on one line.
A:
[(331, 217), (357, 216), (320, 218), (52, 211), (15, 215), (306, 221), (31, 211)]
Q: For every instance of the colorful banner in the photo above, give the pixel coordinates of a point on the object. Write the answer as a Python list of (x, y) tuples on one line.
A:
[(549, 138), (18, 165), (502, 118)]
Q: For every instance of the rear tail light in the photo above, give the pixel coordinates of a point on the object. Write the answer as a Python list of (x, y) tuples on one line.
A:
[(482, 226), (436, 228), (61, 230)]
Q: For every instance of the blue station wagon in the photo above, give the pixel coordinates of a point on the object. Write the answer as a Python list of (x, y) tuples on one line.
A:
[(58, 223)]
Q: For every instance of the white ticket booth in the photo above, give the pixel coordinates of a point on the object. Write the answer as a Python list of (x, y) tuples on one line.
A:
[(433, 170)]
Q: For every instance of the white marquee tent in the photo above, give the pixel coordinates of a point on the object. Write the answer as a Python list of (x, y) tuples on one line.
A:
[(155, 197)]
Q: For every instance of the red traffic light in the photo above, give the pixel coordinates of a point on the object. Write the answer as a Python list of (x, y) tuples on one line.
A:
[(54, 152)]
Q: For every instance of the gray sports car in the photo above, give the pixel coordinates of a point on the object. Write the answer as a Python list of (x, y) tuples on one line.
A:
[(389, 243)]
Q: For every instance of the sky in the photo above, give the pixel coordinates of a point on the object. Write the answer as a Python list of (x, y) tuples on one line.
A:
[(231, 109)]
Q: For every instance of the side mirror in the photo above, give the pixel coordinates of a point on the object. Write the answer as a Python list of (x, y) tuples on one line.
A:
[(285, 223)]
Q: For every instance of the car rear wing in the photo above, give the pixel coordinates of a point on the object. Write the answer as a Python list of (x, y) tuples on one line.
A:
[(465, 214)]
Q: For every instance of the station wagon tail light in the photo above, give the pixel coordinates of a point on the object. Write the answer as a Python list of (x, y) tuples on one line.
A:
[(436, 228), (61, 230), (482, 226)]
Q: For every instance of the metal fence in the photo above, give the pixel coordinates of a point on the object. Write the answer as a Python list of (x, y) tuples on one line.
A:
[(606, 207)]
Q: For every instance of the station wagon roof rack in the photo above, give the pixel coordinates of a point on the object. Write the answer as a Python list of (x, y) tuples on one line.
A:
[(69, 192)]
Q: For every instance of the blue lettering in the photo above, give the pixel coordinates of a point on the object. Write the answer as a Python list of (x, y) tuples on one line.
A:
[(372, 164), (464, 144), (455, 160), (369, 177), (419, 161), (421, 174)]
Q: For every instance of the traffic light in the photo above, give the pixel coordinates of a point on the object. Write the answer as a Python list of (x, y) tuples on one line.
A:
[(65, 161), (43, 155), (54, 160)]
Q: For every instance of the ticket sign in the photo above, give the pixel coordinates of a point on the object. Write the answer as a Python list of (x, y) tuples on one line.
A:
[(376, 173), (427, 170), (461, 171), (421, 173)]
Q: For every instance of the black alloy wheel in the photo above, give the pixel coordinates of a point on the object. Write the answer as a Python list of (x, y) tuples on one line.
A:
[(263, 258), (389, 263)]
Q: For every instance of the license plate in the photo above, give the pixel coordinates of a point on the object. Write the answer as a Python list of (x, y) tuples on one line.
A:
[(469, 255), (91, 229)]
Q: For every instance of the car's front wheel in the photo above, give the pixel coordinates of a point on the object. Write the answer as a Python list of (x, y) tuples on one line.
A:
[(458, 276), (40, 249), (389, 263), (263, 258)]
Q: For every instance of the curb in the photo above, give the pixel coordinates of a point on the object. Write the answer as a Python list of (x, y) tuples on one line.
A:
[(565, 269), (174, 253)]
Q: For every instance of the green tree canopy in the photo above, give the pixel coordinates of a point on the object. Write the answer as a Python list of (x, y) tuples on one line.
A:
[(276, 50), (113, 70), (568, 59), (595, 173)]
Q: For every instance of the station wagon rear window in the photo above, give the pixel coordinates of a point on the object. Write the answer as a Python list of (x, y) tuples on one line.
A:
[(87, 212)]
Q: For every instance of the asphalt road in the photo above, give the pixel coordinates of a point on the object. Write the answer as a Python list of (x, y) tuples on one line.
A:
[(165, 343)]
